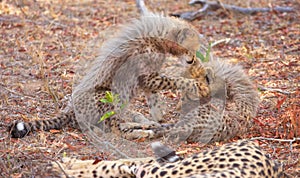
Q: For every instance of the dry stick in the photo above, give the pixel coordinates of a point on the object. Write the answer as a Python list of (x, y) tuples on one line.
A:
[(262, 88), (60, 167), (278, 140), (213, 5), (225, 40), (193, 15), (56, 162)]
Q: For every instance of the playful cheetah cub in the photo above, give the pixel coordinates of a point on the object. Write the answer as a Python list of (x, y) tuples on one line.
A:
[(136, 53), (222, 117)]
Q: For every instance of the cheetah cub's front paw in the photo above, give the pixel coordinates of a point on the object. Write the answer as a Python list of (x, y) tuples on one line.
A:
[(202, 85)]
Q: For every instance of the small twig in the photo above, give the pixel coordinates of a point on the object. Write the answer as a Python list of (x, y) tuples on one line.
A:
[(190, 16), (262, 88), (60, 167), (226, 40), (278, 140), (213, 5), (243, 10)]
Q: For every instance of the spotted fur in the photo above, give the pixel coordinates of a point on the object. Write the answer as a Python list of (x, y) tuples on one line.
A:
[(227, 114), (242, 159), (137, 52)]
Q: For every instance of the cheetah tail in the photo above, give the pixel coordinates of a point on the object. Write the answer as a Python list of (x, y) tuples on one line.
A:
[(164, 153), (19, 129), (140, 4)]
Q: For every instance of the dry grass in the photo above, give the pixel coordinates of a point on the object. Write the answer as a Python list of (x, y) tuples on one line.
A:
[(42, 42)]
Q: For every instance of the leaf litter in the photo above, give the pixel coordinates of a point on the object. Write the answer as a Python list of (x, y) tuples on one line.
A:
[(41, 43)]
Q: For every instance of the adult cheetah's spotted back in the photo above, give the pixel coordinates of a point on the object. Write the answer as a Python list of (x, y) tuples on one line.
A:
[(241, 159)]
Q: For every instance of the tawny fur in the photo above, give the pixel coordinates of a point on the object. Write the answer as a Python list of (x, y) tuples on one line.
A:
[(240, 159), (141, 46), (227, 114)]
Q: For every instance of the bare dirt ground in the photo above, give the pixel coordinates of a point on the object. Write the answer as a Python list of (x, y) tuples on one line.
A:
[(41, 43)]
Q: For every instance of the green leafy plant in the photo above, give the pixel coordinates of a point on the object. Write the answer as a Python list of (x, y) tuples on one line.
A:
[(207, 53), (110, 98)]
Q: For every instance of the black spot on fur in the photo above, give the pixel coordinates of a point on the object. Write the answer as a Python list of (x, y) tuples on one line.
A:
[(174, 172), (143, 173), (154, 170), (162, 173), (188, 171)]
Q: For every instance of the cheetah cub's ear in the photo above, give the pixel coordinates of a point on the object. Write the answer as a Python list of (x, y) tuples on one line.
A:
[(164, 154), (186, 37), (189, 39), (210, 75)]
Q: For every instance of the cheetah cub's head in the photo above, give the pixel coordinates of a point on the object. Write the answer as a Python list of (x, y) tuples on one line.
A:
[(186, 37)]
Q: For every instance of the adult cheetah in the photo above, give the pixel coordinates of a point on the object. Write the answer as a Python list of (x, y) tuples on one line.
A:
[(240, 159)]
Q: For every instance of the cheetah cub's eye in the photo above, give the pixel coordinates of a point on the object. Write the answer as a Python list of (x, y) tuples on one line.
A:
[(209, 77)]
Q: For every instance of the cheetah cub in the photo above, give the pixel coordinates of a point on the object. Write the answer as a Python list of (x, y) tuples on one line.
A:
[(128, 63), (227, 114)]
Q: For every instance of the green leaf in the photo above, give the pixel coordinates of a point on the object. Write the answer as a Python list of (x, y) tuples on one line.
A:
[(107, 115), (200, 55), (112, 99), (109, 96), (207, 53), (103, 100)]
